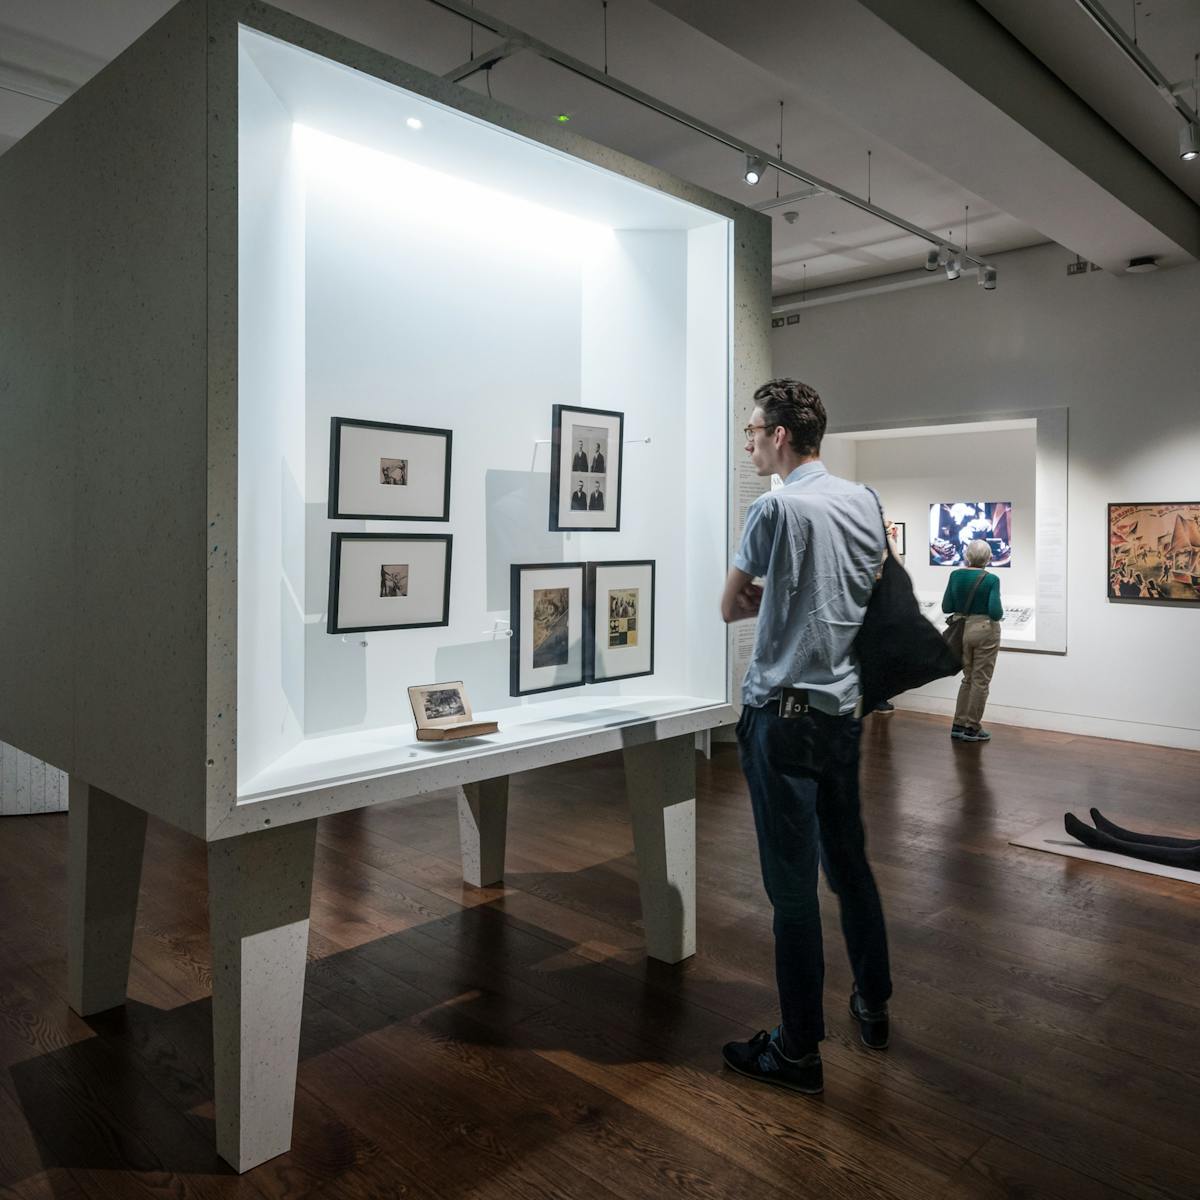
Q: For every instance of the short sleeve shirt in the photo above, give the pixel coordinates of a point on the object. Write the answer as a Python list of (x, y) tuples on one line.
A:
[(817, 543)]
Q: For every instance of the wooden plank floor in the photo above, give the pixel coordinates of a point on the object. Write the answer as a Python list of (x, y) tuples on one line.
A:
[(513, 1042)]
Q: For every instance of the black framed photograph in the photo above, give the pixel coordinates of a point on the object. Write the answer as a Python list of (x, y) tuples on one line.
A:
[(897, 533), (546, 649), (585, 468), (384, 472), (1154, 551), (619, 625), (388, 581)]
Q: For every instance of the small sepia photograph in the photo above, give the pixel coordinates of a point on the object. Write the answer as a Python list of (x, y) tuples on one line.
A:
[(622, 617), (597, 486), (590, 454), (393, 579), (551, 614), (394, 471), (443, 702)]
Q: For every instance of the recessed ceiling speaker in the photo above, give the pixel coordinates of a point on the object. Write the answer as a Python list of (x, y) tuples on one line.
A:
[(1142, 265), (1189, 141)]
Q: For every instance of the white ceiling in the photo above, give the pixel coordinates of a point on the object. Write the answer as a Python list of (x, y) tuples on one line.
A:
[(1020, 111)]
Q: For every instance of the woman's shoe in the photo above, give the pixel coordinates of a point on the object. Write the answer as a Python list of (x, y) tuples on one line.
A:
[(958, 732), (977, 735)]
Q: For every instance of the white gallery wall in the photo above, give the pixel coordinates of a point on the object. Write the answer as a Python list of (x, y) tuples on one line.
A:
[(1119, 353)]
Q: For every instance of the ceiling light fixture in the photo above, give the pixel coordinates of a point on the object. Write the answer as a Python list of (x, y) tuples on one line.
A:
[(413, 123), (755, 165), (1142, 265), (987, 278), (1189, 142), (933, 259), (953, 266)]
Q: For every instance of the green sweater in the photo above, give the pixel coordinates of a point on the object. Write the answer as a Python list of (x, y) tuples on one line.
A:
[(987, 599)]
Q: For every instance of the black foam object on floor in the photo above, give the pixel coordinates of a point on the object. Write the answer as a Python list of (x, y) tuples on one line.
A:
[(1186, 856)]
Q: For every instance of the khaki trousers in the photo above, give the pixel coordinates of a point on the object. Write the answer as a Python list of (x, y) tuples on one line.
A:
[(981, 643)]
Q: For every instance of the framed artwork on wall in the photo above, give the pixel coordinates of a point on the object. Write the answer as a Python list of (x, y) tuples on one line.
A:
[(585, 468), (546, 651), (619, 627), (384, 472), (896, 533), (1154, 552), (954, 524), (388, 581)]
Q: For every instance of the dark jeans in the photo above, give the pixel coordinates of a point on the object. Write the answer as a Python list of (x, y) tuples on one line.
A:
[(803, 777)]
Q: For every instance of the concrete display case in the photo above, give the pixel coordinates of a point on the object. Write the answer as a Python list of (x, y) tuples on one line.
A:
[(233, 233)]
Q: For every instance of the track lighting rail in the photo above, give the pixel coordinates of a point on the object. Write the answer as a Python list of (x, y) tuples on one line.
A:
[(1116, 33), (517, 40)]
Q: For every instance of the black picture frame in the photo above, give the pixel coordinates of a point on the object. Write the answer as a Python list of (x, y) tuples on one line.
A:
[(335, 509), (901, 538), (517, 572), (336, 543), (1111, 555), (556, 424), (589, 631)]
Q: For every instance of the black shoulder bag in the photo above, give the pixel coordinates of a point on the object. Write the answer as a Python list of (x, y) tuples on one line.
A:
[(897, 648)]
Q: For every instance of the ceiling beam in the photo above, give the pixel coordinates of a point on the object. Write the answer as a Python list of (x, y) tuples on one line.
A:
[(945, 83)]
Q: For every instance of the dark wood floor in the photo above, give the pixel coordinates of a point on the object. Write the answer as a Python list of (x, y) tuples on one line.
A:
[(513, 1042)]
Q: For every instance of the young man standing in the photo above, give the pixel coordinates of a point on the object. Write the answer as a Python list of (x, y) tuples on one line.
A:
[(817, 543)]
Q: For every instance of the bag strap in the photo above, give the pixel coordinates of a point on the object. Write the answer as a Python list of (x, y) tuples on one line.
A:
[(971, 597)]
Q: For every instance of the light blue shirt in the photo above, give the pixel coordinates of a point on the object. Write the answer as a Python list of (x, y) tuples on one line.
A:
[(817, 542)]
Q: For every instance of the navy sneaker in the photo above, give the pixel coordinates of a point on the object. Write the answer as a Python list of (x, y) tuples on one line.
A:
[(885, 706), (977, 735), (872, 1023), (762, 1058), (958, 732)]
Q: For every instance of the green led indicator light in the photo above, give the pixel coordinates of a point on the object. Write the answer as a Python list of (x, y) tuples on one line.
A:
[(563, 118)]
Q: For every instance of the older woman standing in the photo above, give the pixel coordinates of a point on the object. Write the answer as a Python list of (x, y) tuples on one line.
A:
[(975, 595)]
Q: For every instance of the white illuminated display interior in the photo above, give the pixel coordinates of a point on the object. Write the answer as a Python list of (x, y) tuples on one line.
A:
[(402, 262)]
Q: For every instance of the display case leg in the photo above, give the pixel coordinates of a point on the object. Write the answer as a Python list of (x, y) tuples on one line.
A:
[(482, 827), (106, 837), (259, 888), (660, 778)]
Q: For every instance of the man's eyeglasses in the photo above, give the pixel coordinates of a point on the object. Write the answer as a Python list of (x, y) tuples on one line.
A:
[(750, 429)]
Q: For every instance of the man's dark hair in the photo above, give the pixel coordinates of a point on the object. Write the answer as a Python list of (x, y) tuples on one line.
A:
[(796, 407)]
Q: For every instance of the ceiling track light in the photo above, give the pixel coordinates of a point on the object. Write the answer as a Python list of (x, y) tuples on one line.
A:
[(1142, 265), (987, 277), (933, 259), (755, 165), (1189, 141), (953, 266)]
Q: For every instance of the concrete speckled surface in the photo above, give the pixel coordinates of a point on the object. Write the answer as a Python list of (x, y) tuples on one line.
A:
[(661, 780), (106, 840), (132, 608), (37, 451), (260, 891), (126, 520)]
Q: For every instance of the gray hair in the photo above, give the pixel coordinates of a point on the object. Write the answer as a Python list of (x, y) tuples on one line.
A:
[(978, 553)]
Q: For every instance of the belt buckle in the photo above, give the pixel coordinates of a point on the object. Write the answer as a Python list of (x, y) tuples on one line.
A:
[(793, 702)]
